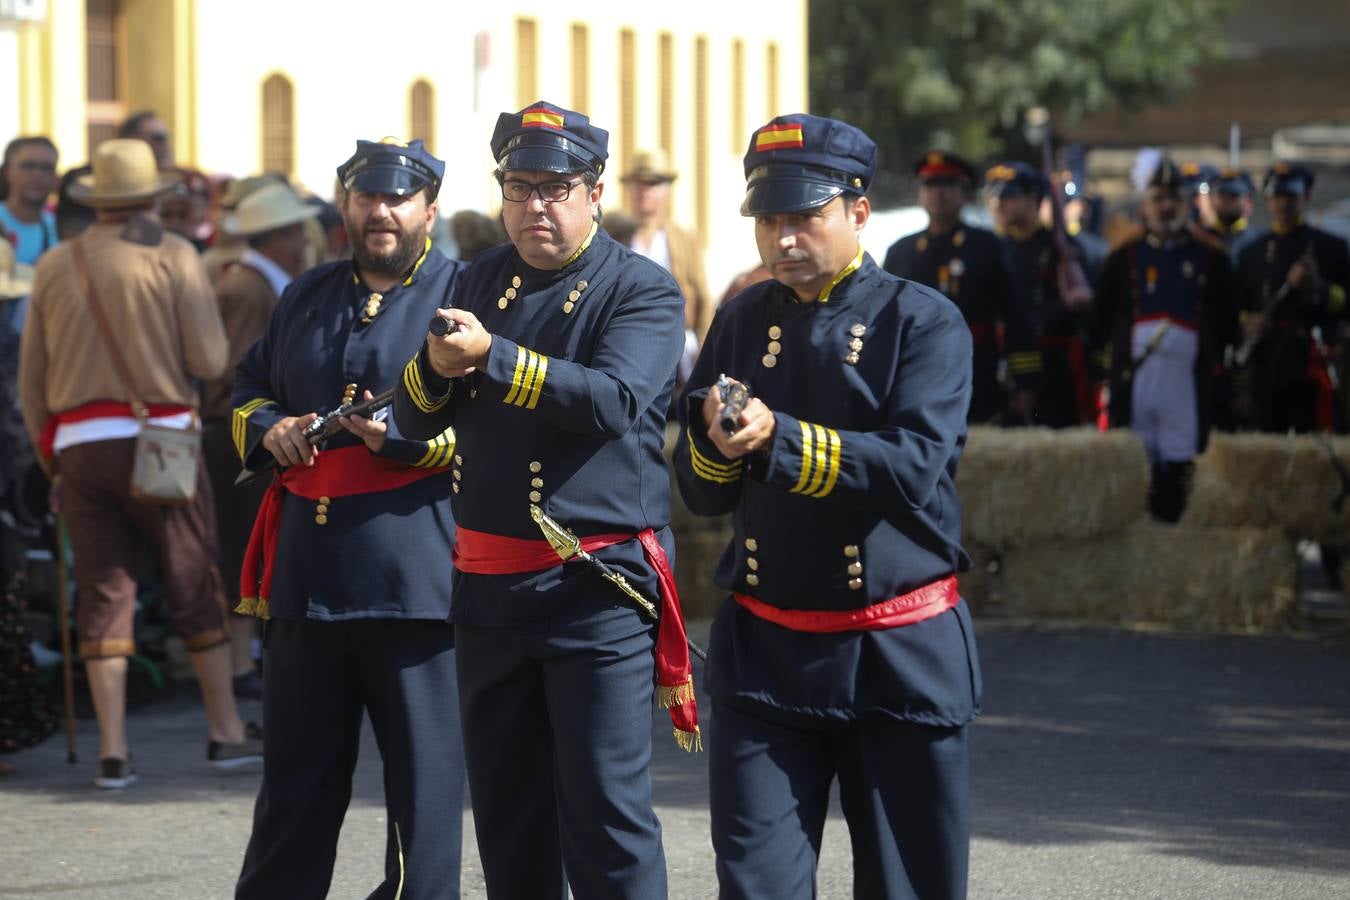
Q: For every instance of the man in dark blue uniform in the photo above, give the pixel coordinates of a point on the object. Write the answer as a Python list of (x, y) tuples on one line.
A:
[(1230, 202), (348, 560), (1293, 281), (556, 377), (966, 264), (844, 651), (1032, 257), (1165, 310)]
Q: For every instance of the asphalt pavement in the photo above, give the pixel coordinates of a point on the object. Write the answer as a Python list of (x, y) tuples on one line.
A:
[(1107, 764)]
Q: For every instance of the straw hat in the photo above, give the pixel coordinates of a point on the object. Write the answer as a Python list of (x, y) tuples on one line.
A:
[(125, 174), (16, 278), (268, 208), (651, 166)]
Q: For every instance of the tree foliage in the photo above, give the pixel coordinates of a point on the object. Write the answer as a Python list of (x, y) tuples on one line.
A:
[(960, 74)]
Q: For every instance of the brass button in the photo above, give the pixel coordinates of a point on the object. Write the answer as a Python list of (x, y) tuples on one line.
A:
[(752, 563), (473, 393), (321, 508), (536, 482), (851, 551), (855, 344), (459, 460), (457, 474), (574, 296), (515, 281), (855, 568), (581, 285), (769, 360), (568, 306), (325, 499), (502, 302), (321, 519), (775, 348), (535, 496), (510, 293), (752, 579), (350, 388), (536, 466), (455, 486), (775, 332), (751, 544), (851, 359), (375, 297), (855, 584), (858, 330)]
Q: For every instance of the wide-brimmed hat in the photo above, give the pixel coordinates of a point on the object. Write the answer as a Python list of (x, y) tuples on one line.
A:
[(266, 209), (125, 173), (649, 166)]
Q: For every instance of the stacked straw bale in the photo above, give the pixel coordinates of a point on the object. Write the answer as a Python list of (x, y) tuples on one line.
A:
[(1213, 578), (1027, 487), (1271, 481)]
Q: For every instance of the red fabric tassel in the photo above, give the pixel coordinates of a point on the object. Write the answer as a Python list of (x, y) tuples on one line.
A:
[(674, 671)]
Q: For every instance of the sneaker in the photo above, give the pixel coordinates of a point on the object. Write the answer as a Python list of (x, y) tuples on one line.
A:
[(114, 774), (248, 686), (230, 756)]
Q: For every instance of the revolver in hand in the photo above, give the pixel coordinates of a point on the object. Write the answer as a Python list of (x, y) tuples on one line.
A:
[(735, 395)]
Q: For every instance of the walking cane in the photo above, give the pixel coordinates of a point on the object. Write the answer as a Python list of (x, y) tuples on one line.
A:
[(63, 622)]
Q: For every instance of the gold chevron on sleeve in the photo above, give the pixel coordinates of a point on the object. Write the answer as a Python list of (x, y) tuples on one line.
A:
[(807, 458), (711, 470), (417, 392), (239, 422), (1022, 363), (528, 379), (439, 450), (836, 446)]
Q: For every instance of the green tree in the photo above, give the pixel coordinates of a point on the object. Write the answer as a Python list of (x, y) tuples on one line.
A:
[(960, 74)]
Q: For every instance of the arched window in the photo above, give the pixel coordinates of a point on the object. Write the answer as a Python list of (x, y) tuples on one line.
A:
[(278, 125), (422, 113)]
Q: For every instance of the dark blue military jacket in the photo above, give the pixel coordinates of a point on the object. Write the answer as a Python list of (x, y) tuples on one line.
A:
[(854, 503), (568, 413), (1185, 280), (967, 265), (374, 555)]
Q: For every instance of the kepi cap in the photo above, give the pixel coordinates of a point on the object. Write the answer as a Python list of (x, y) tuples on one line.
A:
[(389, 166), (939, 165), (799, 162), (1015, 179), (1289, 178), (1232, 181), (1166, 175), (547, 138)]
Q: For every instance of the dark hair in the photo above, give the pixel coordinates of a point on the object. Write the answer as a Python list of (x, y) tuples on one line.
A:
[(259, 240), (12, 149), (132, 123), (72, 217)]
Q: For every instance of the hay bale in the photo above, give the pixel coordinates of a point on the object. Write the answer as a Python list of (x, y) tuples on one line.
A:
[(1209, 578), (1271, 481), (1026, 486)]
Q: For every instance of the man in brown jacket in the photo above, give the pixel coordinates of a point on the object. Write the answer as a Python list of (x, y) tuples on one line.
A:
[(646, 186), (271, 222), (163, 319)]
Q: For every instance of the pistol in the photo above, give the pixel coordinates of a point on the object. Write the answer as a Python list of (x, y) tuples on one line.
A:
[(441, 327), (735, 395), (327, 425)]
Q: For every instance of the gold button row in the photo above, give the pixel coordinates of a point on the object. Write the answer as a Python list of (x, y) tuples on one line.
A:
[(535, 467), (510, 293), (321, 511), (573, 296), (770, 359)]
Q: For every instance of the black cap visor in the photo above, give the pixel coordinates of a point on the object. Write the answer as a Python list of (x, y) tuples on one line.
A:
[(399, 181), (1287, 185), (547, 153), (1010, 189)]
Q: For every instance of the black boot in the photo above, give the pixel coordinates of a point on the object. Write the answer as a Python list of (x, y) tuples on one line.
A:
[(1168, 490)]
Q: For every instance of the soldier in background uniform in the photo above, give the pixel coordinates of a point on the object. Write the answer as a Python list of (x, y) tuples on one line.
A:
[(844, 651), (557, 378), (348, 555), (1230, 200), (1165, 309), (1029, 248), (1293, 281), (966, 264)]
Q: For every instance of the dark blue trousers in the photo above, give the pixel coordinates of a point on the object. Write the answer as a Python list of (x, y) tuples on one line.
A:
[(904, 789), (318, 678), (557, 733)]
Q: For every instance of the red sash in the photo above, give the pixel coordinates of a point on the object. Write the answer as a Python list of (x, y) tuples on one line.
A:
[(341, 472), (481, 553), (100, 409), (919, 604)]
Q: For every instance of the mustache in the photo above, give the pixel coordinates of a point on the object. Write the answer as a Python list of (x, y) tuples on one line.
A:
[(793, 255)]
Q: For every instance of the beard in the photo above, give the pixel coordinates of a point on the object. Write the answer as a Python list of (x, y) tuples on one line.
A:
[(396, 261)]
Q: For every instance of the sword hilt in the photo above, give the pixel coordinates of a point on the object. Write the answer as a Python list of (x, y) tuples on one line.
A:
[(564, 543)]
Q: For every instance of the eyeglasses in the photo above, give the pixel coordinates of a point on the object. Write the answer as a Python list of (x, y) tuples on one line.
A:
[(549, 191)]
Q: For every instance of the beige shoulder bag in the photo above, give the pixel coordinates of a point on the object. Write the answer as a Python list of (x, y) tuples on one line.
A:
[(164, 466)]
